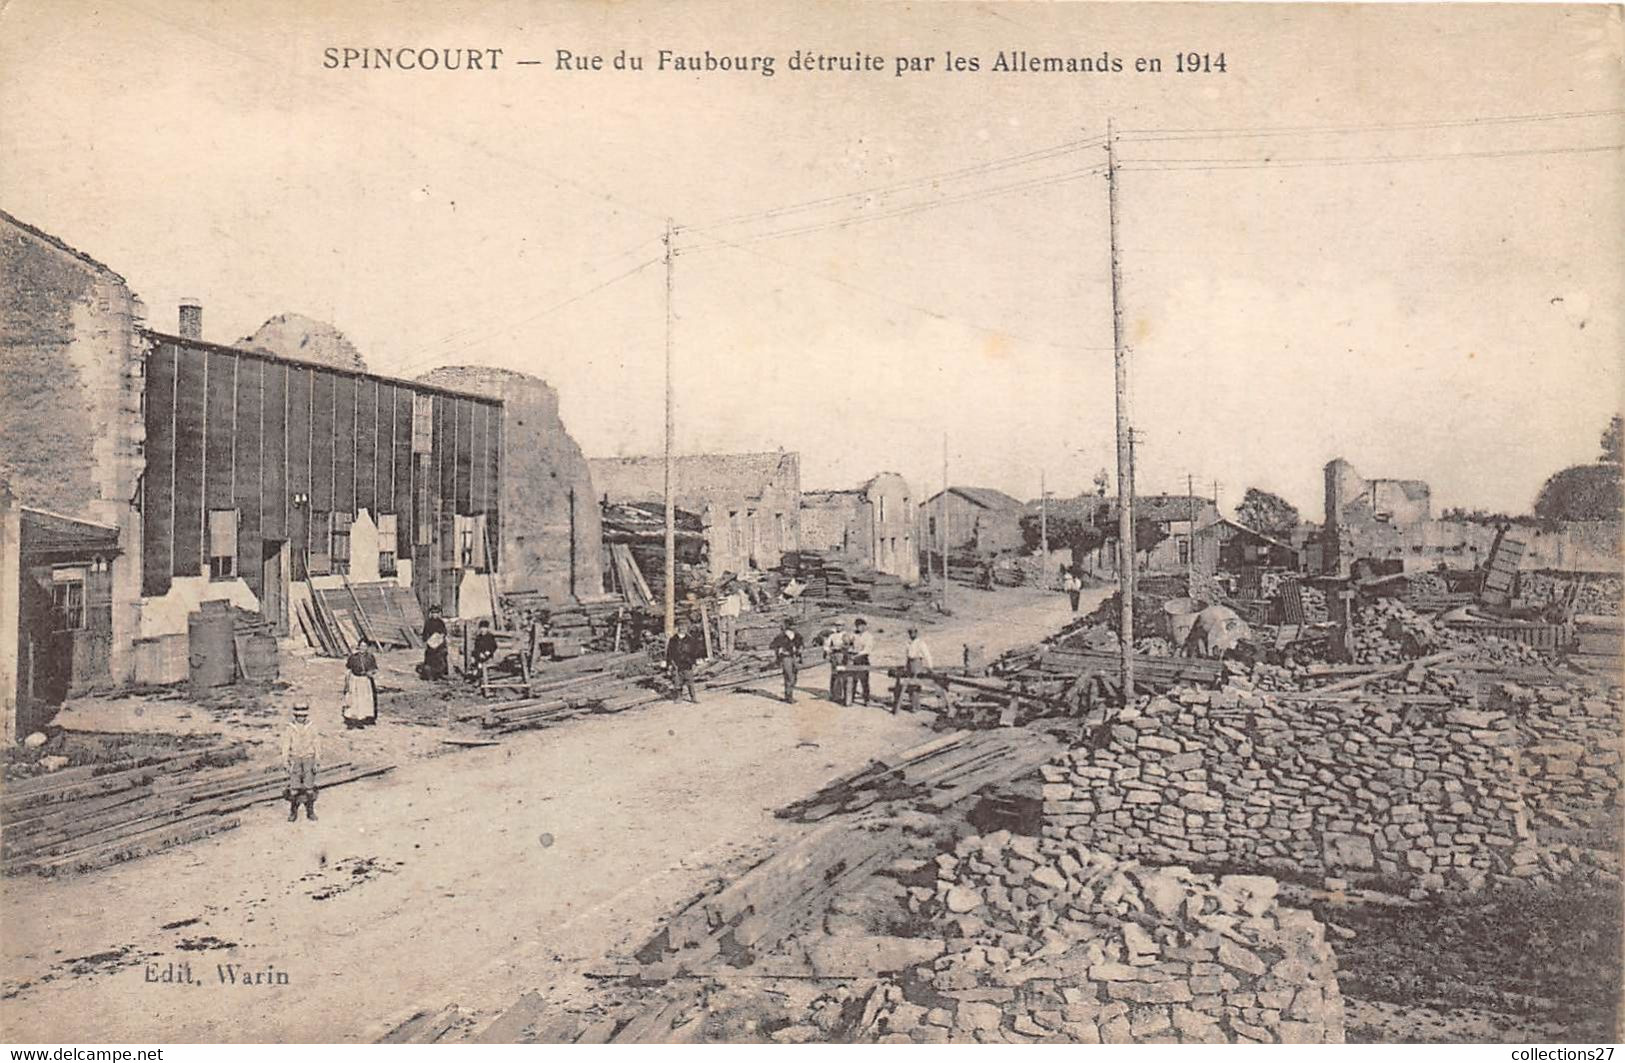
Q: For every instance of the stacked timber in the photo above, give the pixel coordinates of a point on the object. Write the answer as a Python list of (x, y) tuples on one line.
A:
[(932, 776), (592, 683), (838, 580), (78, 820)]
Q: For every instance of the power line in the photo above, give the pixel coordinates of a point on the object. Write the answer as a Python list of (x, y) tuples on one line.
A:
[(1026, 158), (442, 355), (927, 311), (478, 325), (1243, 131), (1147, 165), (915, 208)]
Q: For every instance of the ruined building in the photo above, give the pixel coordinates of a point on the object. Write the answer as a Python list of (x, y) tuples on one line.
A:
[(749, 504), (873, 524), (186, 471)]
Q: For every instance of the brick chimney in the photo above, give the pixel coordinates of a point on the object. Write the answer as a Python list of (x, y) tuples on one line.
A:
[(191, 319)]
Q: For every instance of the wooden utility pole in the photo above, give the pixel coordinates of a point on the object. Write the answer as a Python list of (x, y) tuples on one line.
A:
[(1190, 537), (1125, 459), (942, 511), (671, 432), (1043, 519)]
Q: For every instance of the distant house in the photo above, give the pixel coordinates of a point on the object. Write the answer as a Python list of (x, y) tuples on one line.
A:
[(749, 505), (1225, 546), (979, 520), (873, 524), (1177, 517)]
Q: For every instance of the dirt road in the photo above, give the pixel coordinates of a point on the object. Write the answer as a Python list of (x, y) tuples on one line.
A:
[(464, 878)]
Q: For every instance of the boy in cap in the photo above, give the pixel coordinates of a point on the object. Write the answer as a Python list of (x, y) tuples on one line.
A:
[(301, 745)]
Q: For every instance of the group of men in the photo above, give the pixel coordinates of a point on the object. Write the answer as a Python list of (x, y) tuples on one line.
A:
[(850, 656)]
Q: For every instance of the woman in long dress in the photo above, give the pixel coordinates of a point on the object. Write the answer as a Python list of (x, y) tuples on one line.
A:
[(360, 687)]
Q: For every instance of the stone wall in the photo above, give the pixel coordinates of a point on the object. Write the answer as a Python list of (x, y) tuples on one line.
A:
[(70, 399), (1053, 940), (1422, 797)]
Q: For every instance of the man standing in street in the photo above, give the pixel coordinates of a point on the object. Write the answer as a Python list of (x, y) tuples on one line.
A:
[(786, 647), (728, 610), (918, 657), (860, 647), (681, 655), (301, 745), (835, 650), (1074, 588)]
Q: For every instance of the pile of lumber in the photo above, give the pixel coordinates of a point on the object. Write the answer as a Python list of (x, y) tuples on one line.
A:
[(334, 620), (592, 683), (932, 776), (628, 577), (89, 817), (835, 579)]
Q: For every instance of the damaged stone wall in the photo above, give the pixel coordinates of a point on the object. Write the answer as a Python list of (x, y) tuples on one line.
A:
[(550, 530), (70, 400), (1423, 797)]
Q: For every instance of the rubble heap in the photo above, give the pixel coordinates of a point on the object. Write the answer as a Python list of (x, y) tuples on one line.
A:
[(1051, 941), (1596, 596)]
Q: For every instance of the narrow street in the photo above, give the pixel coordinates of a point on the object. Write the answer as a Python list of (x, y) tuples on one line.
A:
[(542, 856)]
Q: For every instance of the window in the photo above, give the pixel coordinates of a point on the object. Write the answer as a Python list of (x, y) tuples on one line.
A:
[(882, 509), (471, 542), (1184, 551), (386, 544), (68, 599), (339, 551), (222, 543), (931, 527)]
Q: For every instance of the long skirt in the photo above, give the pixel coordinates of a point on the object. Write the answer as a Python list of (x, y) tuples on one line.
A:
[(360, 699)]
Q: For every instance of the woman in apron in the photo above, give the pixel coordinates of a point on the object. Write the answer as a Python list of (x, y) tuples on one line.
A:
[(360, 688)]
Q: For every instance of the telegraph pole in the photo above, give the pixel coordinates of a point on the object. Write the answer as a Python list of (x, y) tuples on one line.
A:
[(942, 510), (1125, 458), (1190, 537), (1043, 519), (671, 490)]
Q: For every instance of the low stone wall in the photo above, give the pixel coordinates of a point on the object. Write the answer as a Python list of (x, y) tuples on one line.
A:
[(1569, 770), (1051, 941), (1422, 795)]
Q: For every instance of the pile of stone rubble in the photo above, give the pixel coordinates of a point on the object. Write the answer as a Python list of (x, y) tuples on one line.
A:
[(1047, 940)]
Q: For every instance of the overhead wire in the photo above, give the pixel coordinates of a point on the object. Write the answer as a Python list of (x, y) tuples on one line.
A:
[(509, 326), (903, 211), (1135, 135), (1175, 163), (992, 165)]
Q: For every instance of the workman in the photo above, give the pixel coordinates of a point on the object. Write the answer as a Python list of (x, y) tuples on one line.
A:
[(787, 646), (860, 647)]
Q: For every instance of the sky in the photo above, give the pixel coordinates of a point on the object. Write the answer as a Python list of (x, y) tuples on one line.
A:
[(1370, 262)]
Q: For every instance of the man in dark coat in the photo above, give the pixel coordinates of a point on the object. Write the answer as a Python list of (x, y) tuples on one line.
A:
[(787, 646), (682, 652)]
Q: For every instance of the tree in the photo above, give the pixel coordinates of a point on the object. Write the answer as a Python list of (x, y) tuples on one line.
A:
[(1268, 513), (1103, 480), (1064, 533), (1613, 447), (1582, 492)]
